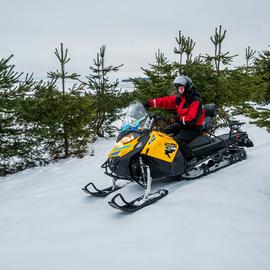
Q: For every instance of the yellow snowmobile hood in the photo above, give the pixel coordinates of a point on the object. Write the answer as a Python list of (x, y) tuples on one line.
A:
[(161, 146), (121, 149)]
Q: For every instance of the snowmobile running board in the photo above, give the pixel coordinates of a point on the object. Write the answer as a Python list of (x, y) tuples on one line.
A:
[(138, 203), (93, 190)]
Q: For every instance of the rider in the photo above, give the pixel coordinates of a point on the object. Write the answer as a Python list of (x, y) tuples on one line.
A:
[(190, 113)]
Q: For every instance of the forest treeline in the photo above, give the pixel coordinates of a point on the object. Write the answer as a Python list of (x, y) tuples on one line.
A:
[(42, 121)]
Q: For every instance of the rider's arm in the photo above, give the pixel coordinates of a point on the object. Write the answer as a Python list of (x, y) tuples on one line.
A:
[(168, 102)]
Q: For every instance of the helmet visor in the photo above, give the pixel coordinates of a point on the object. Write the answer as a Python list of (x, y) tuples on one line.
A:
[(177, 85)]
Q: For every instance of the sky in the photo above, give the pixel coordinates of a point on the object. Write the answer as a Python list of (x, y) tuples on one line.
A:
[(131, 30)]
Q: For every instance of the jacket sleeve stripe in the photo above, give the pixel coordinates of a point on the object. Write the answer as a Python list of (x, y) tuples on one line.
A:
[(168, 102)]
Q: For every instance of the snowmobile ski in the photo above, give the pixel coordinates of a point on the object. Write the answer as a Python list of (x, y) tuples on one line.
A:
[(137, 203), (93, 190)]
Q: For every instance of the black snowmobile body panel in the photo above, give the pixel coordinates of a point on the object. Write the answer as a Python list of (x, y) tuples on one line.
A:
[(120, 166), (160, 168), (200, 141), (205, 145), (214, 144)]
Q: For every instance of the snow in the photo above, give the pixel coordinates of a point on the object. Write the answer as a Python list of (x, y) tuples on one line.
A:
[(221, 221)]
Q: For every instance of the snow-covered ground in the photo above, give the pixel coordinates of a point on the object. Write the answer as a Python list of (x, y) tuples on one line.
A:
[(218, 222)]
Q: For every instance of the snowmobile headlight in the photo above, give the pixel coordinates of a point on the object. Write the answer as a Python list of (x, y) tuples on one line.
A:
[(128, 138)]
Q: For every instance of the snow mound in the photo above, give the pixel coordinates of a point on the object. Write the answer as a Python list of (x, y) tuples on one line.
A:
[(221, 221)]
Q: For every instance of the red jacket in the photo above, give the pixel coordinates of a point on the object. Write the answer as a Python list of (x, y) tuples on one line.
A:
[(189, 109)]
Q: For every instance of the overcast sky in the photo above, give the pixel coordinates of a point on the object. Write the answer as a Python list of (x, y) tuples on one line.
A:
[(132, 30)]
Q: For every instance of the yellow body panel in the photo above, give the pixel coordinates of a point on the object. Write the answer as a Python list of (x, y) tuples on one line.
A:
[(160, 146), (120, 150)]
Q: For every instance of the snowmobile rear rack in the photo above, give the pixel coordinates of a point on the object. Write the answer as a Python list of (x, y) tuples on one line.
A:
[(231, 124)]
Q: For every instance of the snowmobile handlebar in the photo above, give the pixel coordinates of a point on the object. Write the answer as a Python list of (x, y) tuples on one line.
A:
[(158, 117)]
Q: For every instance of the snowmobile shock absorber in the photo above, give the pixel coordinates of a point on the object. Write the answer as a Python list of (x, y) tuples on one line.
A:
[(146, 177), (149, 184)]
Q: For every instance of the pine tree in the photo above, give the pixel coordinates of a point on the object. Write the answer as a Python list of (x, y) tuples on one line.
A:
[(106, 95), (252, 83), (190, 44), (220, 57), (74, 112), (249, 56), (220, 95), (159, 82), (181, 42), (185, 46), (18, 149), (262, 69), (161, 69)]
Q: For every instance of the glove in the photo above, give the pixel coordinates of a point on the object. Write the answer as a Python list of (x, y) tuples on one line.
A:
[(172, 129), (171, 119), (146, 104)]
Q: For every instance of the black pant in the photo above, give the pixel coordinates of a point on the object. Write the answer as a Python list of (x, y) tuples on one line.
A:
[(183, 137)]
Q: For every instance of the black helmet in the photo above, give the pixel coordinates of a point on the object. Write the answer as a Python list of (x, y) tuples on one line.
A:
[(183, 80)]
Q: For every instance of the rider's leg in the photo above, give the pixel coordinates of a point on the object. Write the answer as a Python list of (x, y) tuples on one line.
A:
[(184, 137)]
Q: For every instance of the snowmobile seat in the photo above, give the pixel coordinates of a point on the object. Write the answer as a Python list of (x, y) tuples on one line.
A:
[(210, 113), (200, 140), (216, 143)]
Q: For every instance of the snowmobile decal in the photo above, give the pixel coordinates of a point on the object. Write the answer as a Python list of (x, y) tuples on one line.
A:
[(161, 147), (170, 148), (122, 147), (115, 154), (120, 150), (151, 140)]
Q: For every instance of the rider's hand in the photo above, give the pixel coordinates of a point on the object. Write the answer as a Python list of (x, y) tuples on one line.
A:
[(171, 119), (146, 104)]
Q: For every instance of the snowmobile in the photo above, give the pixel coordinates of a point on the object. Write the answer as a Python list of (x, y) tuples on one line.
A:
[(143, 153)]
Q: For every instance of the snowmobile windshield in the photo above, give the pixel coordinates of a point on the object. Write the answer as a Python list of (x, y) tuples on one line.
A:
[(135, 117)]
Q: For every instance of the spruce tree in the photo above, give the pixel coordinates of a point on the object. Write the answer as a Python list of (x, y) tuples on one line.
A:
[(185, 46), (181, 42), (252, 83), (159, 82), (262, 69), (220, 57), (249, 55), (69, 132), (190, 44), (105, 93), (18, 148)]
